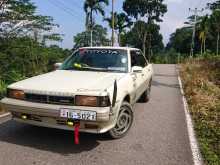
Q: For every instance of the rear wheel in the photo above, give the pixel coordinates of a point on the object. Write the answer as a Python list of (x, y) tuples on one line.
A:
[(124, 121)]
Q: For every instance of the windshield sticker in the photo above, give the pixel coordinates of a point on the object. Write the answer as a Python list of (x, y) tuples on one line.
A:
[(123, 60), (82, 51), (100, 52), (117, 68)]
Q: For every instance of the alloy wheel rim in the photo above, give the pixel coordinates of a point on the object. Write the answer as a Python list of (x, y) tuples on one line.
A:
[(124, 121)]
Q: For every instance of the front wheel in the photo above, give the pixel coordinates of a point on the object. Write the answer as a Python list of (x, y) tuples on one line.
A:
[(124, 121)]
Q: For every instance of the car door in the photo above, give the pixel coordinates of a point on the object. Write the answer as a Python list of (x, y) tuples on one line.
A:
[(146, 73), (138, 60)]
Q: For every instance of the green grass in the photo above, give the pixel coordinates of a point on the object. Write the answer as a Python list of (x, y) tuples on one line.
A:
[(201, 80)]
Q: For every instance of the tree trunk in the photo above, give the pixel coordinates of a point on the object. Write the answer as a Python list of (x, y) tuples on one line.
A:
[(150, 51), (119, 39), (119, 36), (91, 38), (217, 47), (87, 21), (204, 47), (91, 28), (201, 48), (144, 44)]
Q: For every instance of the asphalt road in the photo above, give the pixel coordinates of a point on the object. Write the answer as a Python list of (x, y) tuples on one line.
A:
[(157, 137)]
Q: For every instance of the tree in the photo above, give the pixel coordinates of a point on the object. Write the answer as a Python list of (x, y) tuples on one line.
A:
[(180, 40), (204, 29), (215, 22), (19, 19), (141, 29), (22, 53), (23, 33), (121, 22), (51, 37), (141, 34), (100, 37), (215, 5), (150, 11), (207, 34), (91, 6), (215, 27)]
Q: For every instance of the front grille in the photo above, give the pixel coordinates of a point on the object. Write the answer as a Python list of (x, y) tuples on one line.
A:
[(36, 98), (60, 100)]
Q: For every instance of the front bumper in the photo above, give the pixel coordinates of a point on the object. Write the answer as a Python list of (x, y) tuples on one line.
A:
[(48, 115)]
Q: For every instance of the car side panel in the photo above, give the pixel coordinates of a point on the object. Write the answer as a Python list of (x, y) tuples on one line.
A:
[(147, 76)]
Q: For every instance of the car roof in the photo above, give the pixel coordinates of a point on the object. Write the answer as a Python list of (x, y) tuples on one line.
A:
[(109, 47)]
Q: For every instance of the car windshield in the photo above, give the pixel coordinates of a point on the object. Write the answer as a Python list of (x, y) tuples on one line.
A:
[(103, 60)]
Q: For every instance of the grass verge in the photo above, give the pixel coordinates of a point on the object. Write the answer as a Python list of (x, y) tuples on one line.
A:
[(201, 81)]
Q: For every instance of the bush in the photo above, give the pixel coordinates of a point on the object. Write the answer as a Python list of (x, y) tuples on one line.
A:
[(168, 57), (21, 58), (3, 87)]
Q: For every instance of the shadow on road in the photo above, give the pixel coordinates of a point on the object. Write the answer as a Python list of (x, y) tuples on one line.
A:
[(165, 75), (158, 83), (54, 140)]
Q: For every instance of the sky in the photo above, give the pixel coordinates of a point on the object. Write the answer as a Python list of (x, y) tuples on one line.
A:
[(70, 16)]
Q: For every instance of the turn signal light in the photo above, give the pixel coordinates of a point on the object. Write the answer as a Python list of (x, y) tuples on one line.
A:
[(15, 94)]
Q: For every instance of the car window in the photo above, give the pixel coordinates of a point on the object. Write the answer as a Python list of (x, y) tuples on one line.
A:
[(144, 58), (105, 60), (137, 59)]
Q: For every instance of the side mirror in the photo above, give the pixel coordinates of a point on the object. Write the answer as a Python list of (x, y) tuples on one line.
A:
[(137, 69), (57, 65)]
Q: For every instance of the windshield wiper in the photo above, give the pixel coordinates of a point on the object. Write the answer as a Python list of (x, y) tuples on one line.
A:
[(94, 68)]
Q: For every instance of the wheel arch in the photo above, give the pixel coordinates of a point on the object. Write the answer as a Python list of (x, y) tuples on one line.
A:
[(127, 98)]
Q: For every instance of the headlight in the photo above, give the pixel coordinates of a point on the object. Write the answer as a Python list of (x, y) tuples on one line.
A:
[(92, 101), (15, 94)]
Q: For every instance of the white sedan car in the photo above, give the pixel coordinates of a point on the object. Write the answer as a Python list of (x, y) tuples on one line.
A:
[(95, 88)]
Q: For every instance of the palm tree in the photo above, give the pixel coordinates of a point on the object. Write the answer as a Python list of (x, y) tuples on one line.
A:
[(204, 28), (215, 20), (122, 21), (91, 6)]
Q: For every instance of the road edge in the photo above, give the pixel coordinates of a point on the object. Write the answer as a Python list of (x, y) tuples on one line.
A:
[(5, 117), (197, 158)]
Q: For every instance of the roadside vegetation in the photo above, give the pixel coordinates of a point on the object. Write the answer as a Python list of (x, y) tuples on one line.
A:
[(201, 80), (24, 35)]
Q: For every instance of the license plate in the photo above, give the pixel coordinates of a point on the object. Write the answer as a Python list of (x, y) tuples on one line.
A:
[(78, 115)]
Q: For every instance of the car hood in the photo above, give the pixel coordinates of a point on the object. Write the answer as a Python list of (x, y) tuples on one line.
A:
[(63, 82)]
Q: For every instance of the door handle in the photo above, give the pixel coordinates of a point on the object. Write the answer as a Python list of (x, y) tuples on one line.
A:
[(134, 77)]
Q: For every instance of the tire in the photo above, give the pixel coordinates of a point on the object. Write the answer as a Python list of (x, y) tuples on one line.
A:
[(124, 121), (145, 97)]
